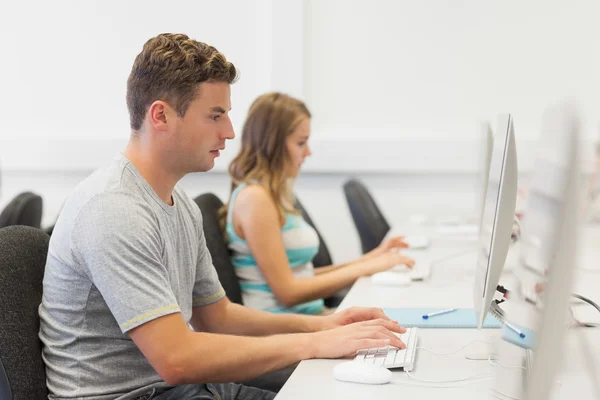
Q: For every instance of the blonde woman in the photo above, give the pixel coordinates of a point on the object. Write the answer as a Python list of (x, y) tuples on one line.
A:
[(272, 246)]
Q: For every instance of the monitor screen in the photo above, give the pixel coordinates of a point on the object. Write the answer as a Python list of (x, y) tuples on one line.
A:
[(497, 217)]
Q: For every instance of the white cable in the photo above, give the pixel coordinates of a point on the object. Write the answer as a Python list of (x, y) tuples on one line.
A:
[(590, 360), (501, 396), (454, 351), (504, 366), (443, 384), (477, 377), (504, 396)]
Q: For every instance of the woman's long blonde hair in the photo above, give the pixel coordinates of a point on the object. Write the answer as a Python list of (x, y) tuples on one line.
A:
[(263, 155)]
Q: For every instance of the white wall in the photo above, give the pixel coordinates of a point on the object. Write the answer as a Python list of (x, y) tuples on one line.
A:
[(399, 196), (389, 69), (68, 60), (64, 69), (396, 89)]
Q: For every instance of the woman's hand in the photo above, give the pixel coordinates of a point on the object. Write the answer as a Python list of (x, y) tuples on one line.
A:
[(386, 261), (392, 244)]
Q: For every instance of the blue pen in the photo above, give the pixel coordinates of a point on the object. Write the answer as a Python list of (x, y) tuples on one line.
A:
[(514, 329), (433, 314)]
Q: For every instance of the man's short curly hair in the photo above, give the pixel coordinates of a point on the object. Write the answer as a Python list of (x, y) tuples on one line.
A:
[(170, 68)]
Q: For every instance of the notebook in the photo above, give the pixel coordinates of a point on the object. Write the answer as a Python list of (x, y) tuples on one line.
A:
[(461, 318), (528, 342)]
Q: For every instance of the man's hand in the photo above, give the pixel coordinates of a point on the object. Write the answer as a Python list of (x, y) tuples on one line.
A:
[(353, 315), (348, 339)]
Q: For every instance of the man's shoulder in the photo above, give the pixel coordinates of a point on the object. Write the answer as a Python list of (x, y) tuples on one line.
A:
[(115, 203), (104, 194)]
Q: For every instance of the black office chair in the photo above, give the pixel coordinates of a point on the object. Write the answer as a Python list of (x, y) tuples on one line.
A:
[(209, 206), (23, 252), (368, 219), (323, 257), (25, 209)]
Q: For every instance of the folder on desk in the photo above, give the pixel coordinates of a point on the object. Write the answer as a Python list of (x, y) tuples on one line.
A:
[(461, 318), (528, 342)]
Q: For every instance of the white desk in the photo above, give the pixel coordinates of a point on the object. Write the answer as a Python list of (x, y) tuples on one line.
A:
[(450, 285)]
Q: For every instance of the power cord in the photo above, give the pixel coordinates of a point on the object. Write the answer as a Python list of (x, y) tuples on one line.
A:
[(432, 384), (448, 383), (469, 379), (499, 364), (503, 396), (453, 351), (590, 302), (506, 294), (586, 300)]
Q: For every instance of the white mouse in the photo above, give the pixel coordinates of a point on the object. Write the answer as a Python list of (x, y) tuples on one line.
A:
[(417, 242), (391, 279), (361, 372)]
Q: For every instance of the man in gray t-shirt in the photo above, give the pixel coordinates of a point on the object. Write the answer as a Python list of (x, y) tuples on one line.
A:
[(119, 257), (128, 272)]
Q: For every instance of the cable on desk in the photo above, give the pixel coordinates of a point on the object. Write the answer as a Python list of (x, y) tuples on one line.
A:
[(469, 379), (586, 300), (590, 302), (501, 396), (453, 351), (506, 294), (497, 363)]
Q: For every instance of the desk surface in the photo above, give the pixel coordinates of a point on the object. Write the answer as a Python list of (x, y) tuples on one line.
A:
[(451, 282)]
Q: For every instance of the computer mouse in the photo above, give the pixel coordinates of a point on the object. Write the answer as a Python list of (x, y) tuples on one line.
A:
[(400, 268), (387, 278), (417, 242), (361, 372)]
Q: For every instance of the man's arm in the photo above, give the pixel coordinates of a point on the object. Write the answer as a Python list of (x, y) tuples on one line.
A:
[(234, 319), (182, 356)]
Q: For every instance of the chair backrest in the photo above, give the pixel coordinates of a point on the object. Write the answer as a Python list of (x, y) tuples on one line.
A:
[(368, 219), (215, 241), (23, 252), (24, 209), (323, 257)]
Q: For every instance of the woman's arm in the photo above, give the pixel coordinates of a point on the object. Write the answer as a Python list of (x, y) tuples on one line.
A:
[(386, 246), (256, 220), (394, 243), (329, 268)]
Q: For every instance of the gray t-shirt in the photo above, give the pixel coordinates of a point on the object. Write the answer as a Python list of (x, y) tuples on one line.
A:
[(118, 258)]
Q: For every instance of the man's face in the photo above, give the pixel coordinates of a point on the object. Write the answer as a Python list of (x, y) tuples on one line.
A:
[(201, 134)]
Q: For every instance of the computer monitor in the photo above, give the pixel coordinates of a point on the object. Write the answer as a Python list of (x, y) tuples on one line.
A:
[(498, 217), (486, 146), (552, 217), (535, 245)]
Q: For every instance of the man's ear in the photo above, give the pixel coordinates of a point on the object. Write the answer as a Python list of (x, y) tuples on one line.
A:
[(158, 115)]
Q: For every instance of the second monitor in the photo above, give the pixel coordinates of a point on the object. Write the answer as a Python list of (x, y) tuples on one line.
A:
[(497, 218)]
